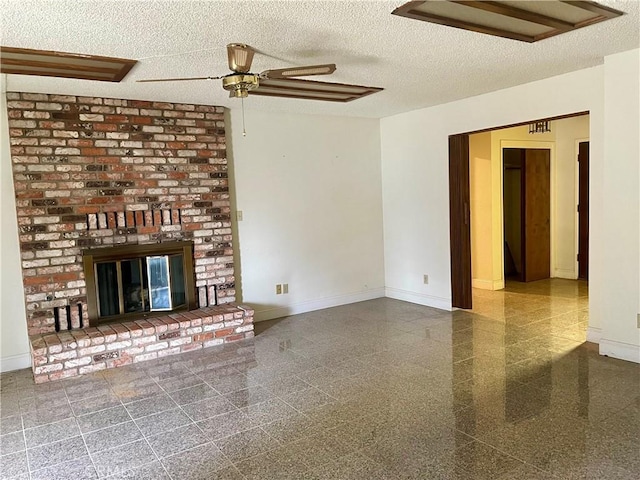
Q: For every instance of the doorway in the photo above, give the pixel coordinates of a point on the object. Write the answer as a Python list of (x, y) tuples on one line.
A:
[(527, 213), (564, 262)]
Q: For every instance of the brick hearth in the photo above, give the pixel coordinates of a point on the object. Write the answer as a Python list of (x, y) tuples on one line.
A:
[(75, 352), (92, 172)]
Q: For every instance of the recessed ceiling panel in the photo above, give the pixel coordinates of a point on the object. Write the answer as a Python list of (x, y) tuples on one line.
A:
[(554, 9), (24, 61), (468, 14), (527, 21)]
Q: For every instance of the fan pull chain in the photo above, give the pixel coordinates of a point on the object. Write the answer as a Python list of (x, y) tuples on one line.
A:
[(244, 131)]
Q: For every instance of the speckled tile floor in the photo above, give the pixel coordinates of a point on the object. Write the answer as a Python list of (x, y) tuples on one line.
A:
[(376, 390)]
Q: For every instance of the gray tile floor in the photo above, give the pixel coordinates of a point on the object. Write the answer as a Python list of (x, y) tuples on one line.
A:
[(376, 390)]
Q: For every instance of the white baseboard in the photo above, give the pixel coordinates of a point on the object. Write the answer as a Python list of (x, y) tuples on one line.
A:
[(487, 284), (419, 298), (594, 334), (319, 304), (15, 362), (567, 273), (620, 350)]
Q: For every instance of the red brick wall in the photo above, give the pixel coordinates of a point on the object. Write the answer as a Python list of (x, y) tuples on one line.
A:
[(92, 172)]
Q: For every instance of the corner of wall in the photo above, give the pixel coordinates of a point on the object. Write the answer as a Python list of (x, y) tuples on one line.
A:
[(14, 342), (618, 210), (233, 200)]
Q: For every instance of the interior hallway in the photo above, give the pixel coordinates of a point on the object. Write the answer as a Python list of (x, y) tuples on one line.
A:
[(381, 389), (554, 307)]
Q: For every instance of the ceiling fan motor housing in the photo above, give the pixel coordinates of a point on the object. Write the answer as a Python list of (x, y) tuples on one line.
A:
[(240, 84)]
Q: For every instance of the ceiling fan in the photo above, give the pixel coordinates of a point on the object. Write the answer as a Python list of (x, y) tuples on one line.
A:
[(282, 82)]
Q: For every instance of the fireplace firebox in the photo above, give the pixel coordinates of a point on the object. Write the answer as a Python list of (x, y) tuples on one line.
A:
[(135, 281)]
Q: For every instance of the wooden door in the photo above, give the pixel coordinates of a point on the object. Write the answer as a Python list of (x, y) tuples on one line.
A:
[(537, 214), (583, 210), (459, 215)]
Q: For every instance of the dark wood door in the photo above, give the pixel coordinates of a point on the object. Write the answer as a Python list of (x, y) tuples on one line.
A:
[(460, 230), (537, 213), (583, 210)]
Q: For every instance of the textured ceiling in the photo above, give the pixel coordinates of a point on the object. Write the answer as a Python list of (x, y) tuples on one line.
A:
[(419, 64)]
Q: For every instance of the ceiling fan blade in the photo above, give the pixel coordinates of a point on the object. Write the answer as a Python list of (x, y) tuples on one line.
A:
[(309, 70), (312, 90), (240, 57), (177, 79)]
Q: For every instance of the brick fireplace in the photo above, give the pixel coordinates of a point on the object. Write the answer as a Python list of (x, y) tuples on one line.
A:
[(90, 173)]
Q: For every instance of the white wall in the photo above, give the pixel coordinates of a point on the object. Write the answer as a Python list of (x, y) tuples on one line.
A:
[(416, 207), (415, 188), (569, 132), (14, 342), (621, 202), (310, 189), (415, 173)]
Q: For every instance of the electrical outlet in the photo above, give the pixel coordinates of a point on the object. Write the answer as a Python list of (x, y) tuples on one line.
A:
[(279, 289), (425, 279), (239, 215), (285, 288)]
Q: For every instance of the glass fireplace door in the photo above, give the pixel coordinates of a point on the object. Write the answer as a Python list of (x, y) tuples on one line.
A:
[(109, 288), (159, 282), (134, 286), (132, 281), (122, 287)]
